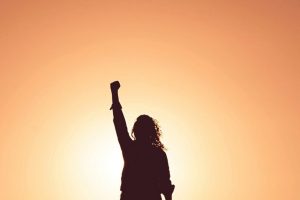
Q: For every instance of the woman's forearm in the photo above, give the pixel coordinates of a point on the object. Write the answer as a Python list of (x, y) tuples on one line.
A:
[(168, 197), (115, 97)]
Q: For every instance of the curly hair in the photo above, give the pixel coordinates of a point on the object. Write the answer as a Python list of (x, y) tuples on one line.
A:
[(146, 128)]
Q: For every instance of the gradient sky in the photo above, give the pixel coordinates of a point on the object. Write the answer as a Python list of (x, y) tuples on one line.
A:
[(221, 77)]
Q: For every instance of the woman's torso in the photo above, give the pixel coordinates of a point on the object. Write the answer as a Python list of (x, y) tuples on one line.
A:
[(141, 165)]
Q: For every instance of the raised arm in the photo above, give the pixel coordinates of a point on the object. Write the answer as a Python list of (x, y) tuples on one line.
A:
[(119, 119)]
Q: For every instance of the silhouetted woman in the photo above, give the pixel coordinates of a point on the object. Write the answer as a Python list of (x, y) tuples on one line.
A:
[(146, 173)]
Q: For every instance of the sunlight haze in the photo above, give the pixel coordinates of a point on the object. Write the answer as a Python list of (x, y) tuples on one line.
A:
[(221, 78)]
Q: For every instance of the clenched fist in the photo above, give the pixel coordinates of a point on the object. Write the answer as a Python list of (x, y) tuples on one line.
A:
[(114, 86)]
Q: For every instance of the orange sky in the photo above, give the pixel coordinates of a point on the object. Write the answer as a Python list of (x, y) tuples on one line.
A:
[(221, 77)]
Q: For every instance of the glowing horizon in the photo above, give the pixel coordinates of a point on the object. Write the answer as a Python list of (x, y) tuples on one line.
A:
[(221, 78)]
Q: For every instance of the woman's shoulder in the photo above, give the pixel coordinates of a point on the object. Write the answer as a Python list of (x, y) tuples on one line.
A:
[(160, 152)]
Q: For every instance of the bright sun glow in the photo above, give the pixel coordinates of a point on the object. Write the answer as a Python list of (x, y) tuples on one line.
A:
[(221, 78), (94, 160)]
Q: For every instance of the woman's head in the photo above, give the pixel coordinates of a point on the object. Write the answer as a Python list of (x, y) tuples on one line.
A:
[(146, 130)]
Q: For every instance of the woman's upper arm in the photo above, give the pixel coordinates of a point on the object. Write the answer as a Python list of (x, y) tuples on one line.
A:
[(121, 128), (166, 186)]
